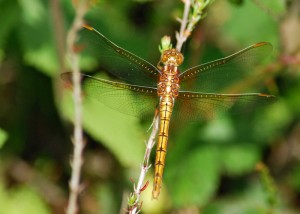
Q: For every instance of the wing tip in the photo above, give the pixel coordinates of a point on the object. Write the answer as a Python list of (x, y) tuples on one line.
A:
[(267, 95), (86, 26), (261, 44)]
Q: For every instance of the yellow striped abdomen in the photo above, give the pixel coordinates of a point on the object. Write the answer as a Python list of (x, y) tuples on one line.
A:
[(165, 112), (167, 90)]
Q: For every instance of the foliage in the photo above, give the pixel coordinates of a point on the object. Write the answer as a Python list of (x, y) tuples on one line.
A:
[(3, 137), (21, 199), (210, 164)]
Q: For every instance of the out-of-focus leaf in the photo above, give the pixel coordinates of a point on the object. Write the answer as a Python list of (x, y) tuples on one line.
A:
[(118, 132), (251, 201), (42, 58), (239, 158), (194, 179), (271, 120), (222, 126), (3, 137), (36, 37), (292, 99), (248, 25), (21, 200), (10, 13), (295, 177), (33, 12), (1, 55), (107, 200), (275, 8)]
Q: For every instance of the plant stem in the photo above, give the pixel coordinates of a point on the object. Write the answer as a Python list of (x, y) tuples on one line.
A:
[(193, 13), (144, 167), (78, 141), (181, 36)]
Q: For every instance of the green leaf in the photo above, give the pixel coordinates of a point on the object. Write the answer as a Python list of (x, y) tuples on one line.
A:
[(43, 58), (223, 127), (233, 154), (272, 120), (120, 133), (251, 201), (194, 179), (36, 37), (248, 25), (295, 177), (105, 196), (3, 137), (292, 98), (10, 13), (275, 8), (21, 200)]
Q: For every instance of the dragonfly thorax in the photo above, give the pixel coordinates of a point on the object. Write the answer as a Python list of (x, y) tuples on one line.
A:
[(171, 57), (168, 85)]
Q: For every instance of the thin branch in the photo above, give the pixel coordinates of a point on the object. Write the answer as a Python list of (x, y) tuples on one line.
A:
[(78, 142), (193, 13), (181, 36), (133, 201)]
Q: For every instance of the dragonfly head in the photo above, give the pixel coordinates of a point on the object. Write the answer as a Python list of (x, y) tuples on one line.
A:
[(172, 57)]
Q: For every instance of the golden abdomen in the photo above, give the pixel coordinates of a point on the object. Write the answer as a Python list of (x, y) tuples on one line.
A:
[(165, 112), (167, 90)]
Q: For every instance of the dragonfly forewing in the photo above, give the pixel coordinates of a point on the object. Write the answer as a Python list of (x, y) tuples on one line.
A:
[(118, 61), (215, 76)]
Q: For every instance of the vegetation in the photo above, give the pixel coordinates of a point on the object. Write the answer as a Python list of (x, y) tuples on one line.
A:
[(245, 163)]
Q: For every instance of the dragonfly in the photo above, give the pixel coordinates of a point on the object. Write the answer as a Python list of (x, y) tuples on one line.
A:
[(198, 93)]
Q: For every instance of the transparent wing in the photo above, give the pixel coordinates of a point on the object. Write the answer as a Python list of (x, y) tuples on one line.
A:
[(117, 61), (214, 76), (129, 99), (191, 106)]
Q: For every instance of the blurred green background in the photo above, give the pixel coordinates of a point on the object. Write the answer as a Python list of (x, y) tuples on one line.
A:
[(212, 166)]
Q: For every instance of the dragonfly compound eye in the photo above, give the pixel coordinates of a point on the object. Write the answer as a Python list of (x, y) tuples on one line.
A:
[(179, 58)]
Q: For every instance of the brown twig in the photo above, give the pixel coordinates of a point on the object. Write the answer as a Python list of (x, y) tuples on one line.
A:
[(78, 142)]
